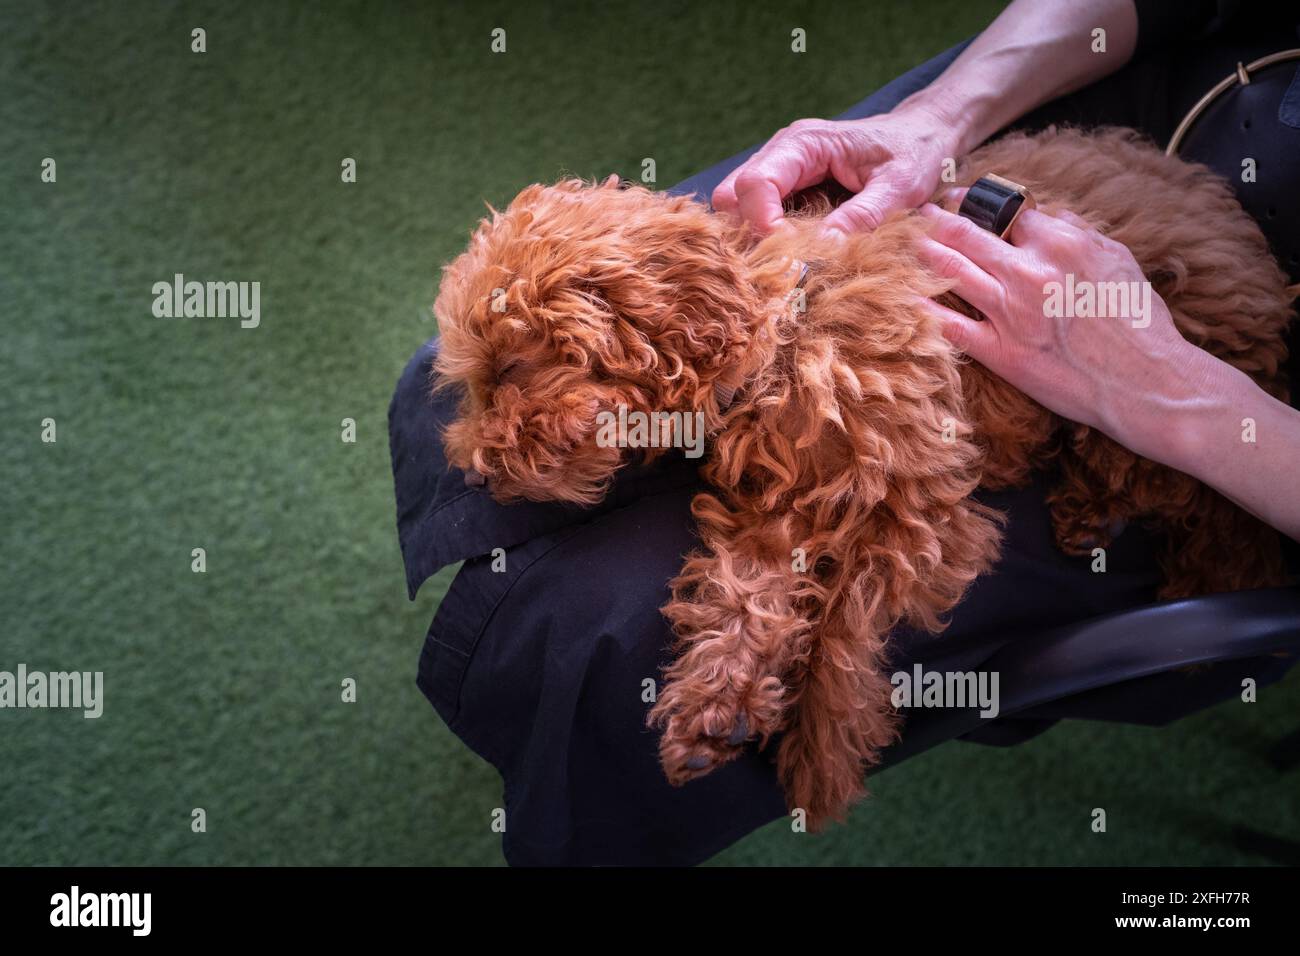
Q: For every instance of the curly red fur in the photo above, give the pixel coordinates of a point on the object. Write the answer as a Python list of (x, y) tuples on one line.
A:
[(857, 436)]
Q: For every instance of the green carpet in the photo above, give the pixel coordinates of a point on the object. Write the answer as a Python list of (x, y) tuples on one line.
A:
[(223, 688)]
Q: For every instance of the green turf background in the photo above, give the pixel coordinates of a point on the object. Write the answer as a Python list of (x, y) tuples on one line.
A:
[(223, 689)]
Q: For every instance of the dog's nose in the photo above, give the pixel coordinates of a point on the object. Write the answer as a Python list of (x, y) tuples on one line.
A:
[(475, 479)]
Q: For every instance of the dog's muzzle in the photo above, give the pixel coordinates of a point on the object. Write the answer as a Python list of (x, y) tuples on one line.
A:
[(994, 204)]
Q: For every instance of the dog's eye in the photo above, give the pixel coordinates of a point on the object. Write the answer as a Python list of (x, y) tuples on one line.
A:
[(510, 370)]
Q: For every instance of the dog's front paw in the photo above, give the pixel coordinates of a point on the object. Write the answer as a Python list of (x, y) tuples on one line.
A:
[(704, 728)]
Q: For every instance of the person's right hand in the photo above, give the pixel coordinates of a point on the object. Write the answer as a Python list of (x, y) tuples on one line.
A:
[(892, 162)]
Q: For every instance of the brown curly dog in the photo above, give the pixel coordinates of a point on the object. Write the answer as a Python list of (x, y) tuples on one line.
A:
[(846, 438)]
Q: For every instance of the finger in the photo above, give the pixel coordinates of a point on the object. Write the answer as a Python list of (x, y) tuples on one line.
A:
[(977, 339), (863, 212), (758, 200), (1075, 220), (951, 198), (1098, 238), (968, 280), (882, 195), (981, 247), (1035, 228), (724, 194), (788, 163)]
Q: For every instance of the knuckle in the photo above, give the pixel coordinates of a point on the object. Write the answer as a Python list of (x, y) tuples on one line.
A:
[(1002, 298), (1110, 248), (863, 215), (1117, 251), (749, 178), (948, 266), (960, 229), (904, 189), (1066, 245), (808, 124), (914, 194), (1041, 275)]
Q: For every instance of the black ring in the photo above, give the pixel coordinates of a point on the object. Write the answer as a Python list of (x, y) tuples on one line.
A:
[(992, 204)]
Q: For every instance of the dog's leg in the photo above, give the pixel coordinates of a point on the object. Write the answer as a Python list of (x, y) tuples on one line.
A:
[(1085, 518), (741, 617), (1210, 544), (1102, 487), (1204, 549), (891, 571), (1015, 433), (843, 720)]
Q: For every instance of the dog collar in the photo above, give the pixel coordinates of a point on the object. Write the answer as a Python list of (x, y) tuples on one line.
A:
[(726, 394), (804, 272)]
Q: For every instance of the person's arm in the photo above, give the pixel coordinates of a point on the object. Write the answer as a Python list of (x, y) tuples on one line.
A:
[(1209, 406), (1146, 387), (1034, 51)]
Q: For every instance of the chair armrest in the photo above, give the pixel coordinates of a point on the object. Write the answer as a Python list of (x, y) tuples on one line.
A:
[(1073, 660)]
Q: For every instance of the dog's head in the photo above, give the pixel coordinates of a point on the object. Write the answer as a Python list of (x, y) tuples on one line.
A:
[(577, 299)]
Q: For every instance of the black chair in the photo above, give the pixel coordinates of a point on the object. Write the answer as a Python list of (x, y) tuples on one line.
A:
[(1151, 665)]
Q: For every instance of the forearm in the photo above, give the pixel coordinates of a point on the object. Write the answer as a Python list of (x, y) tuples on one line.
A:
[(1035, 51), (1217, 425)]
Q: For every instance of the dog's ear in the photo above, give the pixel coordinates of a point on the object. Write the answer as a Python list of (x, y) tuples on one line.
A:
[(540, 444), (682, 288), (633, 285)]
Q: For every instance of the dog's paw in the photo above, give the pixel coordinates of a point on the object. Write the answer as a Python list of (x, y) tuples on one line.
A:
[(1079, 530), (703, 729), (1082, 542)]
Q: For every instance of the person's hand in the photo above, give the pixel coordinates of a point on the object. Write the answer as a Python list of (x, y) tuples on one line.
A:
[(1106, 370), (891, 162)]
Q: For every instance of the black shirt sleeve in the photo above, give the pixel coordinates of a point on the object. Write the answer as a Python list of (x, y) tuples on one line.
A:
[(1163, 22)]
